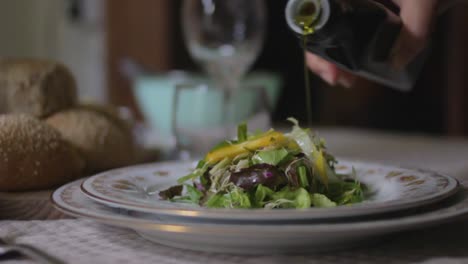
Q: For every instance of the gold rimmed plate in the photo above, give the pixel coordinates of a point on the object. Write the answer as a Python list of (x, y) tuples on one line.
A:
[(258, 238), (391, 189)]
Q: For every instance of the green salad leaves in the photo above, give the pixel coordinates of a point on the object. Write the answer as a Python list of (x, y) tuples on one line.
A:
[(268, 170)]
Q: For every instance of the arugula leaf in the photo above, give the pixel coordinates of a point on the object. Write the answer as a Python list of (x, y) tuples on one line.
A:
[(353, 193), (202, 167), (320, 200), (271, 157), (201, 164), (205, 181), (345, 192)]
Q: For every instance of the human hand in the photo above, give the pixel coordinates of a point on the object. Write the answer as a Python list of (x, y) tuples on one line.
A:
[(417, 17)]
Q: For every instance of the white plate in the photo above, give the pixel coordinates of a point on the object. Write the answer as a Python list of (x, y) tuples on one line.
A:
[(261, 238), (136, 188)]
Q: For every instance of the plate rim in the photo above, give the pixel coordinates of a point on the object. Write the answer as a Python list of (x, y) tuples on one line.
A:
[(355, 210), (401, 223)]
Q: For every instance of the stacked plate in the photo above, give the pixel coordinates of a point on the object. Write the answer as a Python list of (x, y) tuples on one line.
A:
[(400, 199)]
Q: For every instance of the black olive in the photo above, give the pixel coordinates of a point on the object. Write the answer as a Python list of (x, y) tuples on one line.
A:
[(265, 174), (171, 192)]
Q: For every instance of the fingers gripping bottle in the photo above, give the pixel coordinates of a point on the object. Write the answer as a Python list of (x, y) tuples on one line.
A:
[(356, 35)]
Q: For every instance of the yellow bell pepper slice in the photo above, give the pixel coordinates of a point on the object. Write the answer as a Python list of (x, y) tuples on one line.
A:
[(232, 151), (321, 166)]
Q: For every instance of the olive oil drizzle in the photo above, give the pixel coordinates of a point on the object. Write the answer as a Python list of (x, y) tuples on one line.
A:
[(308, 90), (305, 18)]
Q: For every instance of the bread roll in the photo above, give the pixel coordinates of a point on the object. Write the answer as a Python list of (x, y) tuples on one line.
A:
[(33, 155), (113, 113), (104, 140), (35, 87)]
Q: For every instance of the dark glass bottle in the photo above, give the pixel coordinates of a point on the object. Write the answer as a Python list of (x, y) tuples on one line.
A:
[(356, 35)]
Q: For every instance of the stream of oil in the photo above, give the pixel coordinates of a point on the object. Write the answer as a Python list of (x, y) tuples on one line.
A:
[(305, 19), (308, 89)]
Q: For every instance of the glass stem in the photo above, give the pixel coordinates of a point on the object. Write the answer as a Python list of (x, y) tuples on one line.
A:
[(229, 89), (226, 105)]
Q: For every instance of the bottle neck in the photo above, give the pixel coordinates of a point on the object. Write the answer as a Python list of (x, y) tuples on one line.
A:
[(306, 16)]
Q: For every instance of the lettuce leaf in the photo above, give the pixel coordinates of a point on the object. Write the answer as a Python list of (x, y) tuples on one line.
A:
[(290, 198), (271, 157), (193, 194), (262, 195), (236, 198), (321, 201), (215, 201)]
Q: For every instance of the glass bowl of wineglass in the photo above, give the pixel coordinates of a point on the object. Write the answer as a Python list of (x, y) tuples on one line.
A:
[(224, 37)]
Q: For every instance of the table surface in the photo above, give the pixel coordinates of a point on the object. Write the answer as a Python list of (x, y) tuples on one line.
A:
[(81, 241)]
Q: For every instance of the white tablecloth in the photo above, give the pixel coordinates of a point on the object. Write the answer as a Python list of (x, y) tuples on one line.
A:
[(81, 241), (445, 155)]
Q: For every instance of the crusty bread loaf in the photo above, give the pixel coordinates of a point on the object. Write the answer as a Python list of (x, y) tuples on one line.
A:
[(110, 112), (35, 87), (33, 155), (104, 140)]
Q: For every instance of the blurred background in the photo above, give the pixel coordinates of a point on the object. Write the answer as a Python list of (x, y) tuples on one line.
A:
[(93, 37)]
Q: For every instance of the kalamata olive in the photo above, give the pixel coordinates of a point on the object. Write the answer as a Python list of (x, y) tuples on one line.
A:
[(171, 192), (265, 174)]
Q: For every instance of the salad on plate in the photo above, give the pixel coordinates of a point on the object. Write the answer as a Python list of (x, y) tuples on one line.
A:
[(268, 170)]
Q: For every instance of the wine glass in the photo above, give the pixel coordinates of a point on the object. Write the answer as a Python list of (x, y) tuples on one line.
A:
[(197, 116), (224, 37)]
